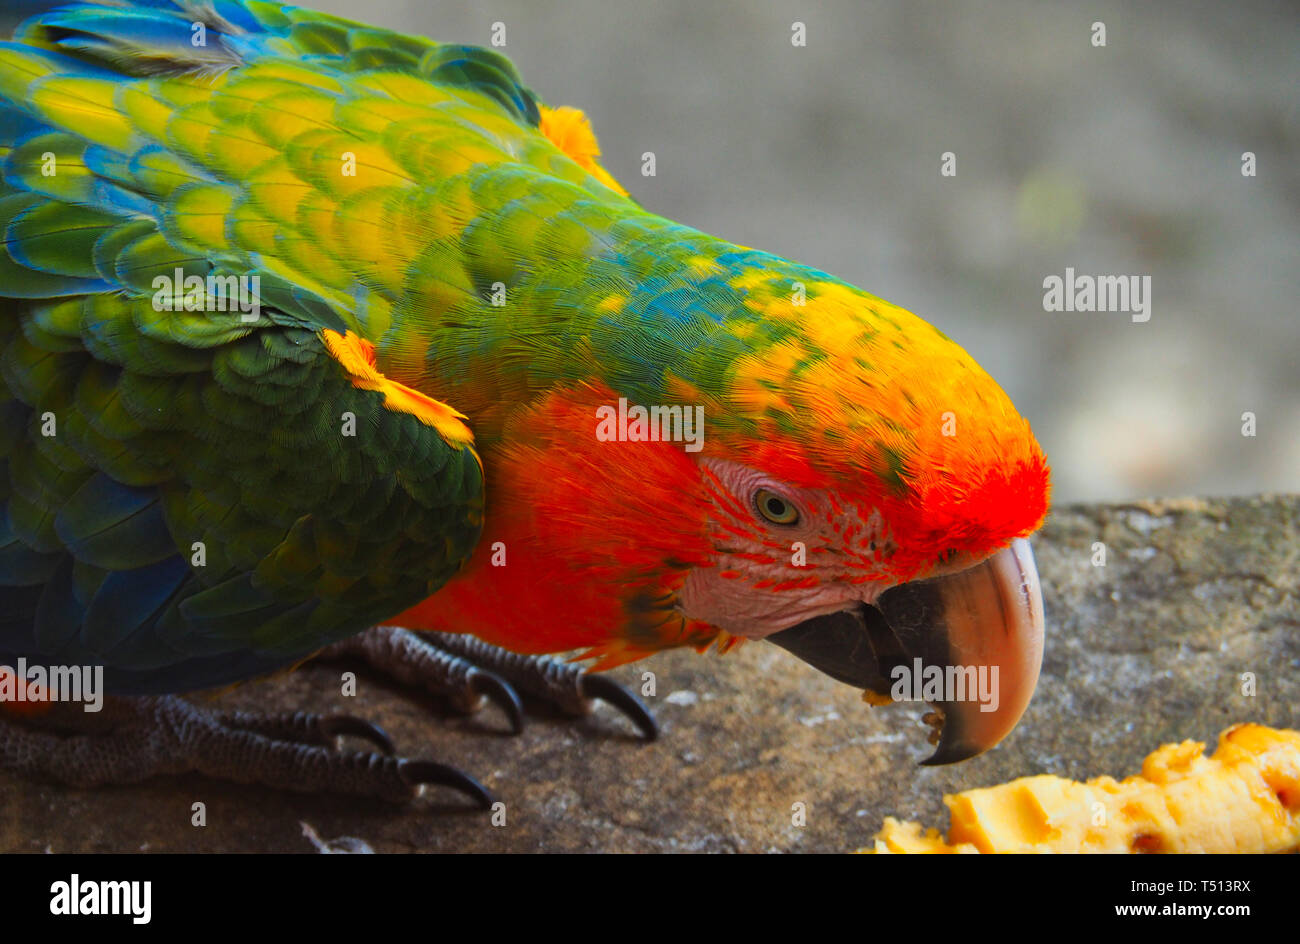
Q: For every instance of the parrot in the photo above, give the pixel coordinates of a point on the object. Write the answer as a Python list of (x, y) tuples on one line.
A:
[(317, 338)]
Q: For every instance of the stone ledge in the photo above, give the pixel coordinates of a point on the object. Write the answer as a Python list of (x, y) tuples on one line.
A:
[(1144, 650)]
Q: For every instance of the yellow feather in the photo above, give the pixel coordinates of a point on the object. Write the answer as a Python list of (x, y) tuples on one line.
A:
[(145, 112), (278, 192), (86, 107), (285, 71), (570, 131), (358, 358), (200, 214), (400, 87)]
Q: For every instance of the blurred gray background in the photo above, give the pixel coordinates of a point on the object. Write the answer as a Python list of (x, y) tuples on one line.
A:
[(1123, 160), (1117, 160)]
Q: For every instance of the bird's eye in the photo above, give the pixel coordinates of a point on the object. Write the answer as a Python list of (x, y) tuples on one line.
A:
[(774, 508)]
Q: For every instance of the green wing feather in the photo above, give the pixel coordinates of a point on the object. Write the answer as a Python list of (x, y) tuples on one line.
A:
[(180, 497)]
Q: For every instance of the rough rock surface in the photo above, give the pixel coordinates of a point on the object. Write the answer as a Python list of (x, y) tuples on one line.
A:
[(1149, 648)]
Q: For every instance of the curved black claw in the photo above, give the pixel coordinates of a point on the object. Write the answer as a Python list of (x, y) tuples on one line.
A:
[(419, 772), (502, 693), (607, 690), (334, 726)]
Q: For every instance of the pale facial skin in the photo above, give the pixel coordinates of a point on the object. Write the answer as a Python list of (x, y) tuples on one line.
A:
[(843, 553)]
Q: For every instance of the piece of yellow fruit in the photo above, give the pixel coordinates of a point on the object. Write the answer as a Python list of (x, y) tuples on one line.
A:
[(1245, 798)]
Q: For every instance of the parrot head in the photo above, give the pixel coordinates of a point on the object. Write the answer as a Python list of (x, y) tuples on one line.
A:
[(834, 476), (872, 519)]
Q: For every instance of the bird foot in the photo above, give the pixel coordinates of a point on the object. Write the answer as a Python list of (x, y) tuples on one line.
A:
[(137, 738), (471, 672)]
